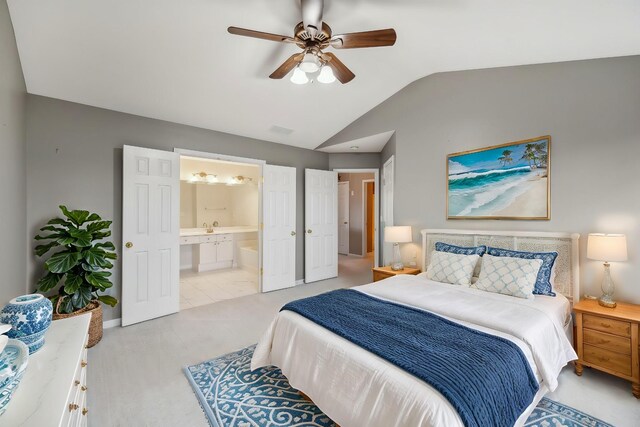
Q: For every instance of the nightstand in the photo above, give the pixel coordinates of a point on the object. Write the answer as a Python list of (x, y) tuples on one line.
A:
[(608, 340), (381, 273)]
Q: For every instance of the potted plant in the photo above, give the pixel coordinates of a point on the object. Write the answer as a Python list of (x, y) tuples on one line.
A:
[(80, 266)]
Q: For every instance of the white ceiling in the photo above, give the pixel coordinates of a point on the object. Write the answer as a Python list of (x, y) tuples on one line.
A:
[(174, 60), (368, 144)]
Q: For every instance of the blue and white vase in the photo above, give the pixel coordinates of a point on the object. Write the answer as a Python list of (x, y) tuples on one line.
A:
[(30, 317)]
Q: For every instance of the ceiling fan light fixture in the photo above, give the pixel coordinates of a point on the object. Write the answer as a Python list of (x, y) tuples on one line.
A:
[(310, 63), (326, 75), (299, 77)]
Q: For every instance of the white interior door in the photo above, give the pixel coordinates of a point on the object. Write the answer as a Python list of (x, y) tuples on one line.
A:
[(321, 223), (150, 234), (386, 202), (279, 235), (343, 217)]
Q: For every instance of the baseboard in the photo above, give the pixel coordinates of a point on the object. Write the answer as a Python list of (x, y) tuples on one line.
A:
[(300, 282), (111, 323), (356, 255)]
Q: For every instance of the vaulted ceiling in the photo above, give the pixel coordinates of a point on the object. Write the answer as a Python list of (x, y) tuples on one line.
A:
[(174, 60)]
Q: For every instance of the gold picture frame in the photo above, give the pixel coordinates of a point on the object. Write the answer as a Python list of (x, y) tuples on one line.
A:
[(500, 183)]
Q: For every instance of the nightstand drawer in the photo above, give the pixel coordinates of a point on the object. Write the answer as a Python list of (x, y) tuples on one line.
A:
[(379, 276), (610, 326), (608, 341), (607, 359)]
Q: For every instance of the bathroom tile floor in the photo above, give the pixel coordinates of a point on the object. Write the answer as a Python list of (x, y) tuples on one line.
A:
[(198, 289)]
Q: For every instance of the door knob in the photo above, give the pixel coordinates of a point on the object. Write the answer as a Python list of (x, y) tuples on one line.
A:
[(345, 223), (293, 233), (309, 231), (128, 245)]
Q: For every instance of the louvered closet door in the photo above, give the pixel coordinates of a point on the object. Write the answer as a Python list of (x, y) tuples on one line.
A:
[(150, 234)]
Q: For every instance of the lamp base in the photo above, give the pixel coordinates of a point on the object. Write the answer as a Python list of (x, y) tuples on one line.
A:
[(607, 302), (397, 266)]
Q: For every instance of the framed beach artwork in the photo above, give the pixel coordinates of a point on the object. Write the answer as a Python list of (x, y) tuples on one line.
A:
[(507, 181)]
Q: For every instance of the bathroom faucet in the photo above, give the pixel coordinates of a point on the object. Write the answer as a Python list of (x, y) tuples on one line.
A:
[(209, 228)]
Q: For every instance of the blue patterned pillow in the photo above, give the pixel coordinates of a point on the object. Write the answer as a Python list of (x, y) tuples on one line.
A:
[(461, 250), (543, 281)]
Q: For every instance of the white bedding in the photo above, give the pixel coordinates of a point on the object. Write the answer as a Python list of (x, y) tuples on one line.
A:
[(356, 388)]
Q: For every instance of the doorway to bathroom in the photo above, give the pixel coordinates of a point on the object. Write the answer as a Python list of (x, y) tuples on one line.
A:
[(219, 230)]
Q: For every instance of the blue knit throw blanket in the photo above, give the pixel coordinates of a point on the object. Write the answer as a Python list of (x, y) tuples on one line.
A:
[(486, 378)]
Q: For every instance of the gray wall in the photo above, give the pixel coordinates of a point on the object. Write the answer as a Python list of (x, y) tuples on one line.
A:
[(74, 157), (591, 109), (354, 161), (356, 226), (12, 164)]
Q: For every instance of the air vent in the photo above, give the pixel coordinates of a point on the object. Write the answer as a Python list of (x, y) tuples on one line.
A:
[(280, 130)]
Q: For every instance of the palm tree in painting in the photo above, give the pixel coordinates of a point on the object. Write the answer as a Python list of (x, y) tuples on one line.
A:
[(541, 150), (506, 158), (530, 155)]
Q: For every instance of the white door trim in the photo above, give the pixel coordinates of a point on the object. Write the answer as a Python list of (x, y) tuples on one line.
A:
[(215, 156), (376, 211), (388, 204), (364, 216), (348, 215)]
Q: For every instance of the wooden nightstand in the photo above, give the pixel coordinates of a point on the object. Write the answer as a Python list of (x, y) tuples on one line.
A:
[(380, 273), (608, 340)]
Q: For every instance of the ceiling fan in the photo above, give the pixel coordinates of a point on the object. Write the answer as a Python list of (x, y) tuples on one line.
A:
[(313, 36)]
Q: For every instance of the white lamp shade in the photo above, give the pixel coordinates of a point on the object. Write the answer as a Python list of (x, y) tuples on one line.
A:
[(310, 63), (326, 75), (299, 77), (607, 247), (398, 234)]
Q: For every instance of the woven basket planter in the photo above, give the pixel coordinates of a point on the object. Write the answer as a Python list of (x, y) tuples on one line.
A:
[(95, 326)]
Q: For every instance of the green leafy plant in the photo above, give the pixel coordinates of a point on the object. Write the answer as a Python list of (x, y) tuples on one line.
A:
[(81, 266)]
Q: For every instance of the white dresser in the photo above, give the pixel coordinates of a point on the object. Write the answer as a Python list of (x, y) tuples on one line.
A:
[(52, 392)]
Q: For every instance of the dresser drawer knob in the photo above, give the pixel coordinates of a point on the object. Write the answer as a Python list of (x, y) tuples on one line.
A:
[(76, 383), (83, 388), (84, 411), (83, 364), (73, 407)]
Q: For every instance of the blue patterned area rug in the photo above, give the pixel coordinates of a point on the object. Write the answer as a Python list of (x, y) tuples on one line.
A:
[(231, 395)]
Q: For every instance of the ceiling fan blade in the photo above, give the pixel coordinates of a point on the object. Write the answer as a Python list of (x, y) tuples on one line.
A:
[(342, 73), (287, 66), (260, 35), (373, 38)]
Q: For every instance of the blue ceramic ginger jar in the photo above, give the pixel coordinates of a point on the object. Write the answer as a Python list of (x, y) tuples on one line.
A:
[(30, 317)]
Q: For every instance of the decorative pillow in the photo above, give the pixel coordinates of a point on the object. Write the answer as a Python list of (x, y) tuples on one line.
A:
[(461, 250), (508, 276), (451, 268), (464, 250), (544, 279)]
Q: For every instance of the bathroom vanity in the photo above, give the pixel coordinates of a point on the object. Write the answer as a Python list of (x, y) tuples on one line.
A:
[(205, 251)]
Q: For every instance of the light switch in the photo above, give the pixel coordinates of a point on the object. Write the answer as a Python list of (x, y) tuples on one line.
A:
[(353, 193)]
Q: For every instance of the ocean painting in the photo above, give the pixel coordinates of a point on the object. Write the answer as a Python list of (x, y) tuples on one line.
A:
[(508, 181)]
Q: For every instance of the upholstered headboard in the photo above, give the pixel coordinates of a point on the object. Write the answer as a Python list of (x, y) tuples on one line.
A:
[(567, 271)]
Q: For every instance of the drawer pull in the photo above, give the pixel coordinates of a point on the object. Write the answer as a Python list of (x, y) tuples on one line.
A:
[(73, 407), (83, 364), (76, 383), (84, 411), (83, 388)]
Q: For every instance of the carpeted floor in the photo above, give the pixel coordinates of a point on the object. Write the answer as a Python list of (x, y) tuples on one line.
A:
[(231, 395)]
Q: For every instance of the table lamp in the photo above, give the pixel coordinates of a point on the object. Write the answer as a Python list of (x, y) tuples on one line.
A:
[(397, 235), (607, 247)]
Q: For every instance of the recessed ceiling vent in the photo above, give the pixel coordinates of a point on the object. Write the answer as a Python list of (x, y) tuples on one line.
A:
[(280, 130)]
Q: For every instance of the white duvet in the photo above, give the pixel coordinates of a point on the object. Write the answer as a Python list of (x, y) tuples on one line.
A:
[(356, 388)]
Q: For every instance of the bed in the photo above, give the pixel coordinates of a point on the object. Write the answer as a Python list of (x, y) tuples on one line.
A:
[(357, 388)]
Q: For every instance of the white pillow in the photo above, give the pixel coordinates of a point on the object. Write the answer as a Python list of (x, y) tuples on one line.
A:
[(451, 268), (508, 276)]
